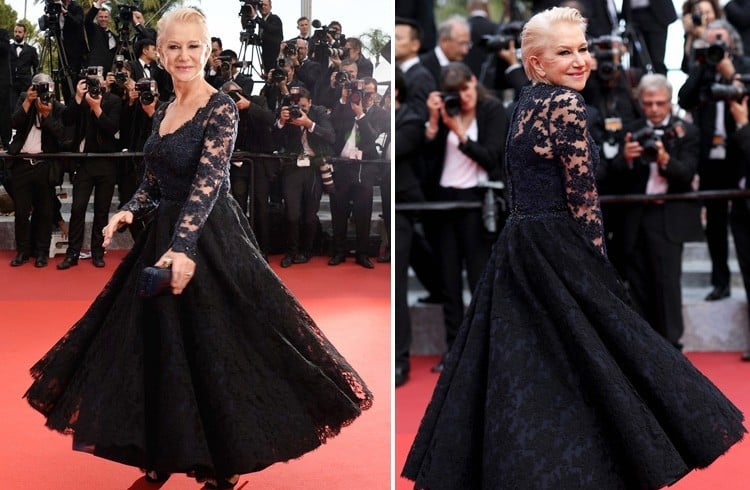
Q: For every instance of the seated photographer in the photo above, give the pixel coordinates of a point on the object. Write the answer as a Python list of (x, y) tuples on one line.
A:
[(253, 135), (721, 60), (279, 80), (358, 122), (464, 147), (659, 155), (740, 214), (305, 131), (103, 43), (39, 129), (95, 115)]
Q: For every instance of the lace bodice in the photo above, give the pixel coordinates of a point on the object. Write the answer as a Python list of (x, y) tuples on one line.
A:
[(190, 164), (551, 159)]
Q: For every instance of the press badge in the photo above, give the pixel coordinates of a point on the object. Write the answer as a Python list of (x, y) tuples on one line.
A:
[(303, 161), (612, 124)]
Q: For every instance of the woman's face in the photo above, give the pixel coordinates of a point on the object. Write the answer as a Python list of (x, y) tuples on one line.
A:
[(468, 94), (707, 12), (566, 59), (183, 51)]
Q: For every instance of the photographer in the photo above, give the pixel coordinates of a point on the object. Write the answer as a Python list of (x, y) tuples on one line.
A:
[(280, 80), (659, 156), (142, 31), (230, 71), (212, 70), (358, 122), (721, 60), (304, 130), (66, 18), (39, 129), (309, 72), (329, 91), (95, 114), (147, 66), (271, 31), (103, 43), (253, 135), (740, 213), (353, 51), (696, 15), (503, 70)]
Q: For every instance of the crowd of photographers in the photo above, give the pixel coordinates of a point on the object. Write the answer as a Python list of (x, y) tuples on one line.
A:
[(311, 122), (646, 148)]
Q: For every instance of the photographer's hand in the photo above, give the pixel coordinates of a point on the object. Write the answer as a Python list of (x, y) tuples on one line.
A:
[(81, 90), (631, 150), (302, 121), (31, 96), (357, 108), (284, 115), (739, 112), (138, 18), (662, 156), (44, 109), (509, 55), (725, 67), (95, 103)]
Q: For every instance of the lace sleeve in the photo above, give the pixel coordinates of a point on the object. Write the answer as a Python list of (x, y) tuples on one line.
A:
[(147, 196), (572, 145), (212, 171)]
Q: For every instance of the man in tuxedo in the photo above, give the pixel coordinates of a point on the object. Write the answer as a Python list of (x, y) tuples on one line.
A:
[(419, 80), (480, 26), (651, 19), (24, 62), (271, 32), (717, 153), (309, 72), (6, 105), (39, 129), (664, 161), (102, 42), (96, 119), (454, 40), (73, 37), (308, 134), (146, 66), (303, 26)]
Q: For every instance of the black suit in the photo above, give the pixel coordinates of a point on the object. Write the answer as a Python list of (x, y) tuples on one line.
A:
[(302, 186), (23, 66), (479, 26), (100, 54), (430, 61), (740, 214), (652, 23), (422, 12), (654, 233), (93, 174), (32, 188), (419, 84), (271, 34), (310, 73), (461, 235), (73, 38), (6, 104)]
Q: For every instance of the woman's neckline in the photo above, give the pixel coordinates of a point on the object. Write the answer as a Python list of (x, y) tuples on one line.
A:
[(187, 121)]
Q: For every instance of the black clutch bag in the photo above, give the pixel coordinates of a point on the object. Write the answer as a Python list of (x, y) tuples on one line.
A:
[(154, 281)]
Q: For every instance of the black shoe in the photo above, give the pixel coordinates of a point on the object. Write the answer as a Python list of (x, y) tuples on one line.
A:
[(718, 293), (97, 261), (364, 261), (746, 356), (287, 261), (401, 376), (153, 476), (220, 484), (67, 263), (337, 259), (40, 262), (301, 259), (19, 259)]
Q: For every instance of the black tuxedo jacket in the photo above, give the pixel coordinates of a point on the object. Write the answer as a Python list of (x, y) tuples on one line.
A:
[(430, 61), (479, 26), (289, 138), (488, 151), (272, 33), (419, 84), (159, 75), (23, 66), (661, 13), (99, 52), (373, 123), (98, 131), (255, 126), (681, 218), (422, 12), (53, 130), (310, 73)]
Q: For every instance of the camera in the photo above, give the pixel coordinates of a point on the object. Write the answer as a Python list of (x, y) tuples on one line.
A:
[(727, 92), (51, 17), (606, 51), (121, 75), (147, 91), (125, 12), (92, 76), (44, 91), (342, 79), (248, 11), (290, 48), (325, 42), (452, 103), (326, 176), (295, 111), (648, 137), (505, 34), (356, 90), (696, 17), (226, 63), (278, 73), (710, 54)]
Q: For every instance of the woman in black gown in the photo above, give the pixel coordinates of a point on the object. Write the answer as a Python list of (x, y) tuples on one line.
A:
[(228, 374), (554, 381)]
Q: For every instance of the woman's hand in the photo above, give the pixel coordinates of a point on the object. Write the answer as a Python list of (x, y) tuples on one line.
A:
[(183, 269), (117, 221)]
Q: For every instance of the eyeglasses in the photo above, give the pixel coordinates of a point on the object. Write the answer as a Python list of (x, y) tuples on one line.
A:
[(657, 103), (462, 43)]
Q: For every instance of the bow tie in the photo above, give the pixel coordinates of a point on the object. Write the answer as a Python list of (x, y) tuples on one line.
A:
[(19, 45)]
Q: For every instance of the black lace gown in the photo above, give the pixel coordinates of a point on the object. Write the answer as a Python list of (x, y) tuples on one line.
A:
[(554, 382), (227, 378)]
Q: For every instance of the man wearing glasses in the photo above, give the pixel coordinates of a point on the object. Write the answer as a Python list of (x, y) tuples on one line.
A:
[(659, 156), (454, 42)]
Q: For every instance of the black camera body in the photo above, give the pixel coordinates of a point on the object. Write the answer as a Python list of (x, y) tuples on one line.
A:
[(248, 19), (292, 103), (648, 137), (226, 63), (342, 79), (125, 12), (290, 48), (605, 50), (502, 39), (278, 73), (727, 92), (45, 91), (147, 91), (696, 17), (452, 103), (321, 47), (356, 89), (711, 54), (92, 76)]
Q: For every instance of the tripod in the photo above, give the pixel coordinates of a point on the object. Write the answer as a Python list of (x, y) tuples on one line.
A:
[(62, 76), (251, 42)]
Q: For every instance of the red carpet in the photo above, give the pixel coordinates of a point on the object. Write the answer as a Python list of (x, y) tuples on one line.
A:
[(729, 472), (37, 306)]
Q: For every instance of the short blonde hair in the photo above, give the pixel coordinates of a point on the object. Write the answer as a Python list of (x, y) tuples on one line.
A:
[(184, 15), (539, 31)]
